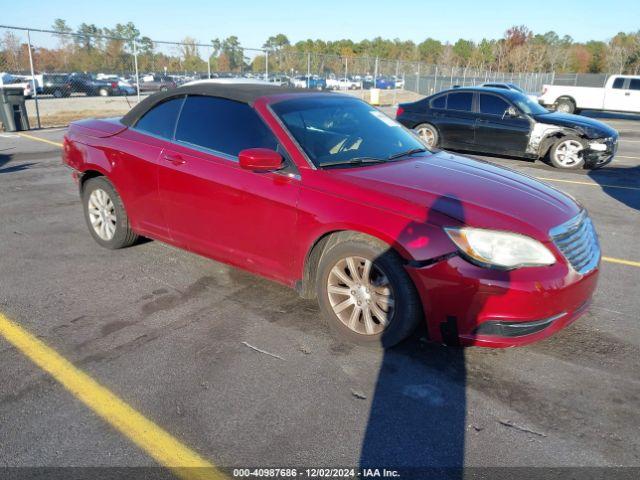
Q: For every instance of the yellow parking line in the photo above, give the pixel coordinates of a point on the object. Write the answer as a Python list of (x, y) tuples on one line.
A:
[(621, 261), (591, 184), (31, 137), (158, 443)]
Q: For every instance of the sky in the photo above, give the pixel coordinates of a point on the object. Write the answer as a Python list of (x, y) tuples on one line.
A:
[(253, 21)]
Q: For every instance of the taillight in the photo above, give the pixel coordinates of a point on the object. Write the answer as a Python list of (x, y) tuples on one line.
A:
[(114, 84), (399, 112)]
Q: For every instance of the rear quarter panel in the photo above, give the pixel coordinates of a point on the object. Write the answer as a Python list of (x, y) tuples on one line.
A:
[(128, 159)]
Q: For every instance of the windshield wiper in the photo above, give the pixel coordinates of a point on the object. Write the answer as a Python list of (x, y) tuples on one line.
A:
[(408, 152), (355, 161)]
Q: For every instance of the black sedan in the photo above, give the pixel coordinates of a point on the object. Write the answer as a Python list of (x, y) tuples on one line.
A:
[(506, 122)]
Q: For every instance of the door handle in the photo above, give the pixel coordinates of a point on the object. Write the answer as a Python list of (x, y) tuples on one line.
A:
[(627, 94), (174, 158)]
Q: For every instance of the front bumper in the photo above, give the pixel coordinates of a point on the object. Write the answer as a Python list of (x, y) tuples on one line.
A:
[(470, 305), (600, 152)]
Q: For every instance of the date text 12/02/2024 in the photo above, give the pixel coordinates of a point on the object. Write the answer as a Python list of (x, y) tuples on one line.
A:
[(318, 473)]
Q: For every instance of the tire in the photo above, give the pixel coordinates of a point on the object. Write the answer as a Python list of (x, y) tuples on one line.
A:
[(57, 93), (103, 92), (565, 105), (429, 134), (99, 198), (403, 308), (564, 153)]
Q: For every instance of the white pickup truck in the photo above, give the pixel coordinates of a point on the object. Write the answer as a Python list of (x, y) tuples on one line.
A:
[(621, 93)]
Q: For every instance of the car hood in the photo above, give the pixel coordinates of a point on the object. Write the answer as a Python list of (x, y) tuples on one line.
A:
[(577, 121), (453, 189)]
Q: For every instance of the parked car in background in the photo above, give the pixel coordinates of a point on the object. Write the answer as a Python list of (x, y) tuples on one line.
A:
[(333, 83), (88, 84), (26, 83), (385, 83), (156, 83), (367, 82), (349, 83), (621, 93), (299, 81), (510, 86), (355, 212), (125, 87), (313, 82), (507, 122), (56, 84), (281, 80)]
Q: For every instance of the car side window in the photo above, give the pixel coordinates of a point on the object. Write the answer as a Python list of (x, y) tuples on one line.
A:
[(634, 84), (222, 125), (439, 102), (618, 82), (161, 119), (492, 104), (461, 101)]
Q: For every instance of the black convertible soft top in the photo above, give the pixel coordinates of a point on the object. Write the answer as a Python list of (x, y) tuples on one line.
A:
[(240, 92)]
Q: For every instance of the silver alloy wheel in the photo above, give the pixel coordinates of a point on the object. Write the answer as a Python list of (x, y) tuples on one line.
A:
[(360, 295), (102, 214), (564, 107), (567, 153), (427, 135)]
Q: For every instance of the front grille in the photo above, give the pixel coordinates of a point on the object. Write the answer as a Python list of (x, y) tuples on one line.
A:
[(578, 242)]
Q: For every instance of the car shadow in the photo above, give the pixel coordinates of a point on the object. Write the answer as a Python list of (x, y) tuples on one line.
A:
[(609, 115), (6, 158), (417, 419), (628, 195)]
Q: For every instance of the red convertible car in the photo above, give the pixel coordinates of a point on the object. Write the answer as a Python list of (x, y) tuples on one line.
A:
[(327, 195)]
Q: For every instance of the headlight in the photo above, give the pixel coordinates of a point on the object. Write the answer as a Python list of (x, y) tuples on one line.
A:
[(504, 250)]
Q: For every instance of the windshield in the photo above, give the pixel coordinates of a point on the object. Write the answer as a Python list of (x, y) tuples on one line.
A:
[(338, 130), (528, 106)]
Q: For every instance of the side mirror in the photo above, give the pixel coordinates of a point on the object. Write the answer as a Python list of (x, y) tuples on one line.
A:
[(260, 160)]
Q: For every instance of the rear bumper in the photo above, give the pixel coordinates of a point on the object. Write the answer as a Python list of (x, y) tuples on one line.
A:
[(468, 305)]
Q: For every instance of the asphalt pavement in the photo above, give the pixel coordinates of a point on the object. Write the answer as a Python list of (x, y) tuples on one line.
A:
[(243, 372)]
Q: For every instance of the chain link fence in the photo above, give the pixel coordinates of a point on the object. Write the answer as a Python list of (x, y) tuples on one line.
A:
[(68, 76)]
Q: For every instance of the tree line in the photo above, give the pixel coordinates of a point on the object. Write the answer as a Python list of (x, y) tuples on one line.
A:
[(92, 48)]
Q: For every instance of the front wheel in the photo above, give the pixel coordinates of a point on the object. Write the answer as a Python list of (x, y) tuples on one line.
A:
[(103, 92), (567, 153), (428, 134), (365, 294), (105, 215)]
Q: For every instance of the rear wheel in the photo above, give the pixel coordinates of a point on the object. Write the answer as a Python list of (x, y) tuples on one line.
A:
[(105, 215), (567, 152), (428, 134), (103, 92), (57, 93), (565, 105), (365, 293)]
